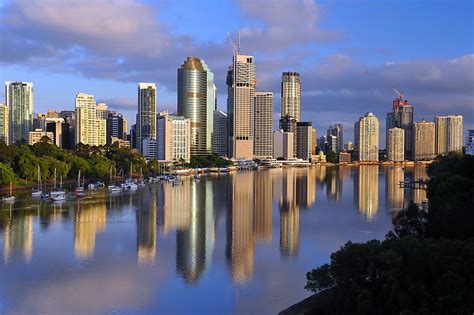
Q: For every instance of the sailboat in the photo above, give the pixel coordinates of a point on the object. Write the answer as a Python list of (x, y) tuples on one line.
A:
[(37, 192), (113, 188), (129, 183), (10, 197), (79, 191), (141, 182), (57, 194)]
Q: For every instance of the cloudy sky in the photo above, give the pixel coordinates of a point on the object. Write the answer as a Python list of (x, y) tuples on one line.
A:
[(351, 54)]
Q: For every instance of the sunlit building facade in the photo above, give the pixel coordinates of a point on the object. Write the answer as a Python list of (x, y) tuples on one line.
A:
[(4, 123), (263, 115), (448, 134), (366, 138), (424, 140), (19, 100), (291, 95), (396, 144), (147, 113)]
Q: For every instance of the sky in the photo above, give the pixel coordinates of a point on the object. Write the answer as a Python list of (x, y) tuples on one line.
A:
[(351, 54)]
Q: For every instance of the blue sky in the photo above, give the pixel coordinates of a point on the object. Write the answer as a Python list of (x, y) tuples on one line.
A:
[(351, 54)]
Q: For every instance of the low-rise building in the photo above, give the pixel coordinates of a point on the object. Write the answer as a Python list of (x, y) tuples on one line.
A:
[(344, 157), (37, 135), (283, 144)]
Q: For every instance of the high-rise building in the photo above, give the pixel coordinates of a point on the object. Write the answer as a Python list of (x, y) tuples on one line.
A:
[(337, 131), (147, 114), (102, 111), (396, 144), (291, 95), (68, 129), (150, 148), (4, 123), (448, 134), (402, 117), (349, 146), (86, 119), (174, 138), (115, 125), (366, 138), (323, 144), (220, 135), (424, 141), (283, 145), (55, 126), (241, 83), (263, 115), (19, 100), (332, 141), (304, 141), (470, 142), (196, 102)]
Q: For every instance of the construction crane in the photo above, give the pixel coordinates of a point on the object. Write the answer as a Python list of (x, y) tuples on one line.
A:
[(400, 94), (235, 49)]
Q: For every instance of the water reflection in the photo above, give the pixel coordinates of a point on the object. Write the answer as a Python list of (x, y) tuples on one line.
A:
[(224, 224)]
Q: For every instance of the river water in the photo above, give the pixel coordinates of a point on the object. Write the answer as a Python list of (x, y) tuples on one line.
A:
[(239, 243)]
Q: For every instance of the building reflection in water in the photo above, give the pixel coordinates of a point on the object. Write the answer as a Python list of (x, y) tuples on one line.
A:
[(366, 190), (289, 215), (146, 228), (18, 236), (305, 192), (90, 219), (240, 245), (176, 207), (263, 206), (419, 173), (195, 244), (394, 194)]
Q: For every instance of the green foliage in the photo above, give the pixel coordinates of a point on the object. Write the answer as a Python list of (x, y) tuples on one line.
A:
[(331, 157), (100, 167), (6, 174), (450, 197), (209, 161), (398, 277), (425, 266)]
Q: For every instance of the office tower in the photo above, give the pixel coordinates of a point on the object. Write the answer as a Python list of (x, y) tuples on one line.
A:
[(448, 134), (55, 125), (331, 143), (174, 138), (68, 129), (241, 82), (283, 145), (291, 95), (304, 132), (125, 128), (314, 140), (132, 137), (470, 142), (263, 115), (220, 135), (402, 117), (323, 144), (102, 111), (424, 140), (37, 135), (337, 131), (349, 146), (19, 100), (366, 138), (86, 120), (146, 117), (396, 144), (288, 124), (115, 125), (196, 102), (150, 148), (4, 123)]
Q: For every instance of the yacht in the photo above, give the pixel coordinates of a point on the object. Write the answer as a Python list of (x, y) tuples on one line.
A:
[(37, 192), (10, 197)]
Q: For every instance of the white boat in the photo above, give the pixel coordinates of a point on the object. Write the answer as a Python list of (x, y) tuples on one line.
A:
[(114, 189), (37, 192), (55, 191), (79, 191), (10, 197), (91, 186), (58, 197)]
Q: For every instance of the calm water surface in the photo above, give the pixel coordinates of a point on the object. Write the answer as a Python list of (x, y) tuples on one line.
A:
[(231, 244)]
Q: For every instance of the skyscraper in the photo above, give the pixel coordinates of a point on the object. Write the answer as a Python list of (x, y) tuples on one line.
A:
[(86, 119), (263, 137), (241, 82), (336, 131), (283, 145), (196, 102), (220, 135), (291, 95), (68, 129), (115, 124), (470, 142), (4, 123), (304, 141), (146, 117), (174, 133), (19, 100), (366, 138), (102, 112), (448, 134), (424, 140), (402, 117), (396, 144)]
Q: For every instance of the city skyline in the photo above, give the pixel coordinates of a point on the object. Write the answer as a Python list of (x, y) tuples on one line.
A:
[(337, 66)]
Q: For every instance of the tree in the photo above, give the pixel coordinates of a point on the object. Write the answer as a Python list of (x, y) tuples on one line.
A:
[(331, 156), (410, 221), (7, 175)]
